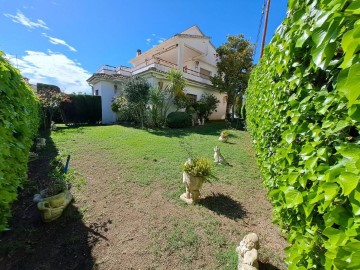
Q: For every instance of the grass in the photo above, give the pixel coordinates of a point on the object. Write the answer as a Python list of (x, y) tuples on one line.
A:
[(141, 169), (159, 153)]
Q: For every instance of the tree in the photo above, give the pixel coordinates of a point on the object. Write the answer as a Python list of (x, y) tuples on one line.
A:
[(50, 100), (137, 94), (176, 88), (234, 67)]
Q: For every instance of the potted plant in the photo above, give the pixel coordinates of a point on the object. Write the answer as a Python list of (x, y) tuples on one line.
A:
[(196, 171), (53, 200), (224, 135)]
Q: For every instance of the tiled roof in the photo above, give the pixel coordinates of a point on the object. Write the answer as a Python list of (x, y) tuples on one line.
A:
[(105, 76), (192, 36)]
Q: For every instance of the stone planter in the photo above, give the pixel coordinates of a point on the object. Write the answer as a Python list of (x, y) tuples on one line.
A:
[(193, 185), (51, 208), (223, 139)]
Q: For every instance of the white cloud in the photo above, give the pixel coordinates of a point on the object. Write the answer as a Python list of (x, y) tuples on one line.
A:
[(58, 41), (154, 40), (53, 68), (22, 19)]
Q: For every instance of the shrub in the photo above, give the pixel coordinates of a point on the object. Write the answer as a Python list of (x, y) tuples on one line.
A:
[(82, 109), (137, 92), (206, 105), (197, 167), (19, 119), (304, 115), (178, 120)]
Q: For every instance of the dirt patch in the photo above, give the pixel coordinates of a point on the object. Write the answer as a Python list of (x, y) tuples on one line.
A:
[(117, 224)]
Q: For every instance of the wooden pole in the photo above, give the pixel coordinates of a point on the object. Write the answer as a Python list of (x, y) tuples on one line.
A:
[(265, 28)]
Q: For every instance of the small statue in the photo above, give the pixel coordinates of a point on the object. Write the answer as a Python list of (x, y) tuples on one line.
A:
[(248, 254), (218, 157)]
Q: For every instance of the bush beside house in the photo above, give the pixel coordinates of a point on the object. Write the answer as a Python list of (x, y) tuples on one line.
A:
[(303, 105), (19, 111)]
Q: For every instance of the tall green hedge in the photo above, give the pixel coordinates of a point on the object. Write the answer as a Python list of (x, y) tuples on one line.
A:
[(303, 105), (19, 118), (83, 109)]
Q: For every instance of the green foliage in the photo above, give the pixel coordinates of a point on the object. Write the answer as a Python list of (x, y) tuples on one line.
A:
[(59, 180), (178, 120), (137, 92), (224, 134), (81, 109), (18, 125), (158, 101), (239, 107), (206, 105), (234, 67), (50, 102), (197, 167), (303, 105), (176, 86)]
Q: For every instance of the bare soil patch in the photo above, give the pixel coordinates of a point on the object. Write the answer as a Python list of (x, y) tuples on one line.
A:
[(122, 220)]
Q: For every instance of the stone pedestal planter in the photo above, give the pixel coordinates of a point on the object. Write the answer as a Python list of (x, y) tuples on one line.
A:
[(223, 139), (51, 208), (193, 185)]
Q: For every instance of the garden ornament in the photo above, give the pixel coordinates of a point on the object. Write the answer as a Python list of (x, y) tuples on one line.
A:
[(193, 185), (247, 252), (218, 157)]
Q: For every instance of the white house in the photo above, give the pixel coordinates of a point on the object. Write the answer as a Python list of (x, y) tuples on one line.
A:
[(190, 51)]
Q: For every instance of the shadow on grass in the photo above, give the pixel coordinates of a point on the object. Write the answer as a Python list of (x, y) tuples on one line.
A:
[(210, 128), (223, 205), (65, 243)]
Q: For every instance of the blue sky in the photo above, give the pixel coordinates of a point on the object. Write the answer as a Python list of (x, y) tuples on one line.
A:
[(63, 42)]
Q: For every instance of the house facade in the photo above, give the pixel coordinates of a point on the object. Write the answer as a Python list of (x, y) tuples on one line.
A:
[(190, 52)]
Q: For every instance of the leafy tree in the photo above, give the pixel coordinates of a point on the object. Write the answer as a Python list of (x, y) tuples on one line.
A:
[(50, 100), (234, 67), (206, 105), (137, 94)]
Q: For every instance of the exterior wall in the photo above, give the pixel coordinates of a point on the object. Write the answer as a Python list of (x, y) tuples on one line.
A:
[(221, 109), (106, 91)]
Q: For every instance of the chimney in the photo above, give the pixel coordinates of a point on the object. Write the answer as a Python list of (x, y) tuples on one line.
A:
[(138, 52)]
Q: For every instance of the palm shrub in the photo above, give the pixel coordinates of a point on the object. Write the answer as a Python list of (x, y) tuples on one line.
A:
[(19, 120), (303, 111)]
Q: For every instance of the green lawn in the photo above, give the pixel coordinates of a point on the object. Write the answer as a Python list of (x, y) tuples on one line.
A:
[(134, 179)]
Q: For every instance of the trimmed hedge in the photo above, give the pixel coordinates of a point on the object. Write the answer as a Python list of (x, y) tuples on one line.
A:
[(83, 109), (178, 120), (303, 105), (19, 119)]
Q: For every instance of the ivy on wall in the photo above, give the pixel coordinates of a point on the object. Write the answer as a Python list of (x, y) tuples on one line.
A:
[(19, 118), (303, 105)]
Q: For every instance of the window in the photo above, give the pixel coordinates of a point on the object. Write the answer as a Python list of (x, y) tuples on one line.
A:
[(192, 98), (96, 92), (161, 85), (204, 73)]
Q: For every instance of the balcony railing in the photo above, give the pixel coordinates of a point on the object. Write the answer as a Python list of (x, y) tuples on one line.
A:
[(196, 75), (158, 64)]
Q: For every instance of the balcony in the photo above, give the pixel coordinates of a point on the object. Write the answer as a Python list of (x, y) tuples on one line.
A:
[(203, 77), (158, 64)]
